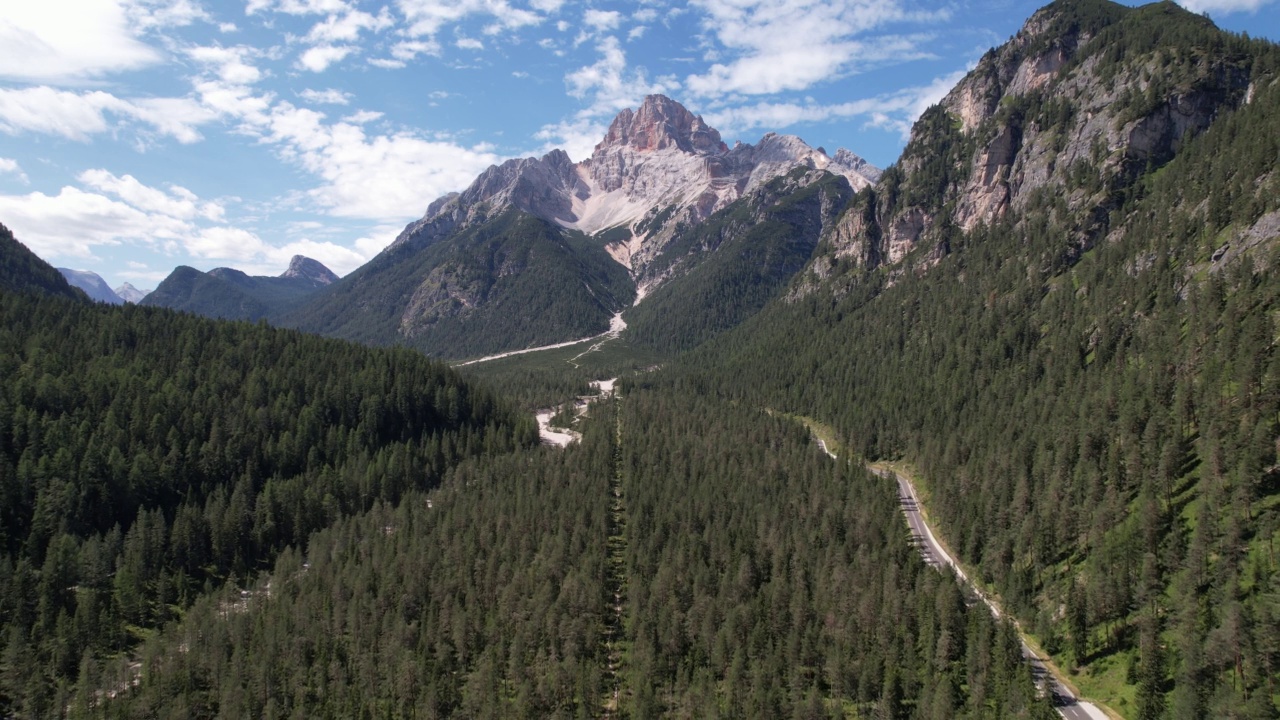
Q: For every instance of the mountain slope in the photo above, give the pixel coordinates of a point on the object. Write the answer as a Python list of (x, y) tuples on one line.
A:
[(510, 282), (1079, 354), (718, 273), (232, 295), (92, 284), (22, 271)]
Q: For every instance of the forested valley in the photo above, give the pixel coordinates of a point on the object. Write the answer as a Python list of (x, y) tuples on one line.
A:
[(736, 572), (206, 519)]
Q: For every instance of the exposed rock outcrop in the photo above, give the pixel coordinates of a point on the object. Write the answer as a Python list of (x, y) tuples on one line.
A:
[(1068, 108)]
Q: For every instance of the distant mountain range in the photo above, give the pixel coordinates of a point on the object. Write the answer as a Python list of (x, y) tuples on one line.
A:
[(231, 294)]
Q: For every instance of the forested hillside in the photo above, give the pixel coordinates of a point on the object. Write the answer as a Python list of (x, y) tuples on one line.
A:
[(1093, 405), (148, 457), (22, 271)]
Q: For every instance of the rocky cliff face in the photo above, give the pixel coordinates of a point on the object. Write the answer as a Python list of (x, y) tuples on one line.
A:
[(1087, 97), (657, 167)]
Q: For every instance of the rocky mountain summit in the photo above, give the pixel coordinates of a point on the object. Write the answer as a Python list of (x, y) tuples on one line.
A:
[(304, 268), (657, 166)]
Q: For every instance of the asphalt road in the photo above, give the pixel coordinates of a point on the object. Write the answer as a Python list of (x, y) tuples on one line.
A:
[(1066, 703)]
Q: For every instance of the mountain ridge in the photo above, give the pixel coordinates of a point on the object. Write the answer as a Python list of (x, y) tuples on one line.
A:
[(231, 294)]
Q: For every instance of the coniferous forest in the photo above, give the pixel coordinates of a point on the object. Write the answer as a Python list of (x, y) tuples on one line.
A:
[(205, 519)]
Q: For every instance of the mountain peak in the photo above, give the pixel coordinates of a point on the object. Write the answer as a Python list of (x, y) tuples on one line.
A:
[(661, 123), (307, 269), (129, 293)]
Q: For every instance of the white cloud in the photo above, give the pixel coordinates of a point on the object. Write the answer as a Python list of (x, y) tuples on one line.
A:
[(179, 202), (378, 239), (362, 117), (147, 14), (610, 82), (68, 41), (347, 28), (320, 57), (466, 43), (176, 117), (296, 7), (895, 111), (231, 63), (1224, 6), (76, 116), (11, 166), (601, 20), (326, 97), (380, 177), (225, 242), (787, 45), (73, 222), (578, 136), (405, 51), (425, 18)]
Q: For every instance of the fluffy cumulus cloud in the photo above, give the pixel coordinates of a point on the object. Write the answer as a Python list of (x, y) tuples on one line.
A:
[(78, 115), (70, 41), (110, 210), (75, 222), (376, 177), (178, 203), (774, 46), (319, 58)]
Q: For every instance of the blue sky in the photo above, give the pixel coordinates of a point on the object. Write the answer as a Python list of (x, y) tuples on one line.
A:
[(138, 135)]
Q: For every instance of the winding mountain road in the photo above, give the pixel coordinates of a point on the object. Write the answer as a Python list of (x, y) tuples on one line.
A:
[(1064, 701)]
